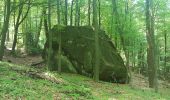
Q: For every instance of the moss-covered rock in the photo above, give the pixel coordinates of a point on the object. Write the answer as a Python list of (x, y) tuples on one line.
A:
[(78, 46)]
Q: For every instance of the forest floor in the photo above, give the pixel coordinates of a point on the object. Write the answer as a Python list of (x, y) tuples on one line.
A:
[(15, 84), (23, 59)]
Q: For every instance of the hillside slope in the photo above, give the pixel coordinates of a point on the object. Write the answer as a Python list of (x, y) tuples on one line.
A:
[(15, 84)]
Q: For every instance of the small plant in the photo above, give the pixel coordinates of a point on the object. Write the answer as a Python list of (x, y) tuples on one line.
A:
[(77, 92), (34, 51)]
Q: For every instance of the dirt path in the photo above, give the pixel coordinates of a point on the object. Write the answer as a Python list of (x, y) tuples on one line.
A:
[(23, 59)]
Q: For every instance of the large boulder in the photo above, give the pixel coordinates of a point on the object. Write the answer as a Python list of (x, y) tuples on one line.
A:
[(78, 45)]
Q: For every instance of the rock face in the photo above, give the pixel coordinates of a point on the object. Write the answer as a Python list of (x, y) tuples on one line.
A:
[(78, 46)]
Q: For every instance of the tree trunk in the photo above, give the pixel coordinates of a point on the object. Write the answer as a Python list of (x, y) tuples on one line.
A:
[(99, 14), (66, 11), (115, 14), (96, 29), (50, 66), (89, 12), (58, 11), (59, 48), (45, 21), (151, 54), (165, 51), (71, 15), (39, 31), (15, 38), (77, 16), (19, 21), (166, 69), (5, 27)]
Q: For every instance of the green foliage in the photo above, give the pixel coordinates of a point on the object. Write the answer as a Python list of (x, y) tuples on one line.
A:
[(77, 91), (30, 46), (34, 51)]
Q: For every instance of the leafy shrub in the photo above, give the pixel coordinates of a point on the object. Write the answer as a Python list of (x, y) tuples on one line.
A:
[(34, 51)]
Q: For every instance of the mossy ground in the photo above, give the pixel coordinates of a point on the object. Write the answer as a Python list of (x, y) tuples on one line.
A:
[(14, 85)]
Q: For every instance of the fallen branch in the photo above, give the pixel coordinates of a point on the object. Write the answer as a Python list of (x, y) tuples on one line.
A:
[(38, 63), (47, 76), (40, 75)]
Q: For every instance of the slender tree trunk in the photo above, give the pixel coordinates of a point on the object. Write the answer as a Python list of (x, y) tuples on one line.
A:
[(5, 27), (96, 29), (165, 43), (140, 58), (89, 12), (128, 18), (19, 21), (15, 38), (156, 66), (71, 15), (77, 16), (151, 54), (25, 37), (45, 22), (115, 14), (112, 20), (36, 22), (99, 14), (50, 66), (30, 20), (62, 12), (59, 54), (39, 31), (59, 48), (58, 12), (66, 11), (165, 50)]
